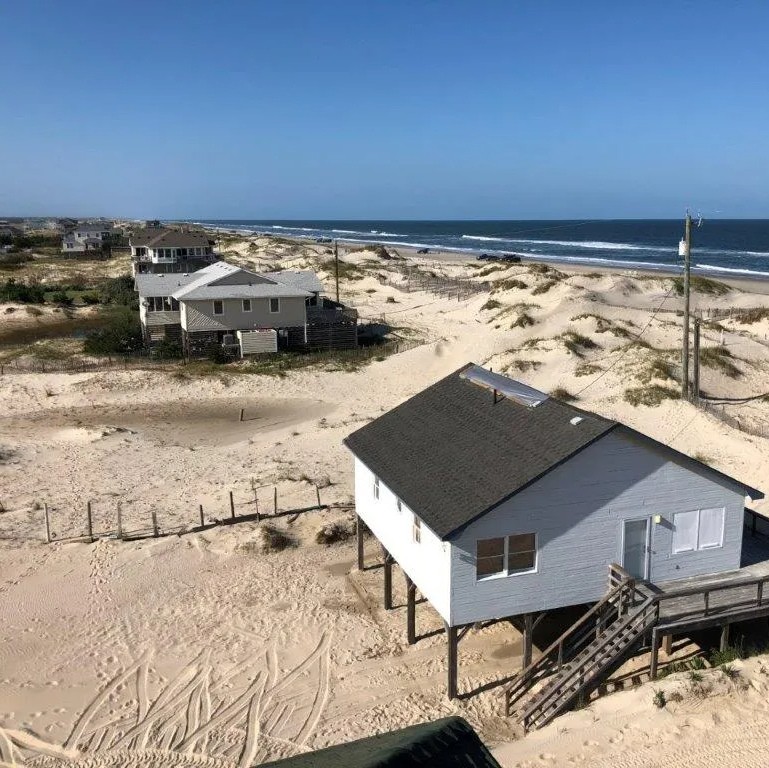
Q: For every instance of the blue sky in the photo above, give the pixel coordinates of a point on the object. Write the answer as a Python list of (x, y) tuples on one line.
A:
[(373, 109)]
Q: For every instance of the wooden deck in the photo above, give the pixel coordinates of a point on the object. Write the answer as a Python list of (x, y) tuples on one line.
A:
[(717, 599)]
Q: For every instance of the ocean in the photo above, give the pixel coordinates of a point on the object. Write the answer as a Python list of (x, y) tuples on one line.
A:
[(719, 246)]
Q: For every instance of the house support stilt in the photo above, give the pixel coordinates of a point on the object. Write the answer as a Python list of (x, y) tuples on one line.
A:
[(411, 609), (528, 641), (452, 633), (667, 644), (359, 536), (724, 637), (388, 579)]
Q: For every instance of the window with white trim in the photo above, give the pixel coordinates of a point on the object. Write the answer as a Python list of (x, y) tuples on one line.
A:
[(274, 306), (376, 487), (218, 307), (698, 529), (246, 305), (416, 530), (506, 555)]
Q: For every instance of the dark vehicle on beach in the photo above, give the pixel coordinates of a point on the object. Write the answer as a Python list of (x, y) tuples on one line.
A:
[(423, 250), (488, 257), (323, 240), (511, 257)]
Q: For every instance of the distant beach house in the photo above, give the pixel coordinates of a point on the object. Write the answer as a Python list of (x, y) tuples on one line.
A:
[(245, 312), (92, 236), (157, 249), (499, 501)]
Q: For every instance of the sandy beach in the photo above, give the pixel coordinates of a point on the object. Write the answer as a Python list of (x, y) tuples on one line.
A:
[(203, 649)]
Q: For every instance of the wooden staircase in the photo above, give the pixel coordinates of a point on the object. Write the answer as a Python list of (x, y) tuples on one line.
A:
[(583, 656)]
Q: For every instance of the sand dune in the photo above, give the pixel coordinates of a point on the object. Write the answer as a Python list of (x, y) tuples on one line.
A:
[(198, 649)]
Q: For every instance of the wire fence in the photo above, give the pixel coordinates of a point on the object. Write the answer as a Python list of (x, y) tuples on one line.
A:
[(415, 279)]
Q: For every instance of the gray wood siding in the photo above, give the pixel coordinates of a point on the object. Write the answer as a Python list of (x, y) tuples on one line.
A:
[(426, 561), (577, 512), (199, 315)]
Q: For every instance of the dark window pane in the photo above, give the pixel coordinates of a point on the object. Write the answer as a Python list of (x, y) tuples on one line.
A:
[(487, 566), (489, 547), (521, 562), (524, 542)]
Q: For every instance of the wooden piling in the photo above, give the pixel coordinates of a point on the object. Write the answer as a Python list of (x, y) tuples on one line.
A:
[(528, 639), (155, 530), (90, 522), (242, 411), (411, 624), (453, 642), (724, 637), (275, 500), (202, 521), (119, 521), (667, 645), (232, 506), (359, 536), (47, 524), (388, 579)]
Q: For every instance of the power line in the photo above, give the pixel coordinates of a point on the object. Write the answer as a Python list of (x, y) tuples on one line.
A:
[(629, 346)]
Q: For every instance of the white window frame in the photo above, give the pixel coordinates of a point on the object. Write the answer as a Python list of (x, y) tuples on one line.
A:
[(221, 305), (246, 301), (274, 311), (506, 572), (376, 487), (698, 545), (416, 530)]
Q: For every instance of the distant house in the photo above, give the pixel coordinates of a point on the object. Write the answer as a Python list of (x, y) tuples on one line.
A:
[(446, 743), (497, 501), (164, 249), (93, 236), (246, 312), (8, 230)]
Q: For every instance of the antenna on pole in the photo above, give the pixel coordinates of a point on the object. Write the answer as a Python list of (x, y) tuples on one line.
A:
[(686, 244)]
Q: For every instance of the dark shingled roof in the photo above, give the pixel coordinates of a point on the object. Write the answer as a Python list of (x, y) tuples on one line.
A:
[(451, 453), (449, 742), (166, 237)]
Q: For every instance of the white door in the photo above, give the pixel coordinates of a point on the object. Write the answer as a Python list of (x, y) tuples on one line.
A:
[(635, 548)]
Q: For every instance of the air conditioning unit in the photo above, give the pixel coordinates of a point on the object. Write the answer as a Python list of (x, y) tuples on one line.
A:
[(229, 340)]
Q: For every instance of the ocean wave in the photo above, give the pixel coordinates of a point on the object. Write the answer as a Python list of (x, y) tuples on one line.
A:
[(348, 231), (294, 229), (729, 270), (595, 245)]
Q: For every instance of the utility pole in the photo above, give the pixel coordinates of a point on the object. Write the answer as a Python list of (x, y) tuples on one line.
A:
[(687, 270), (696, 384), (336, 269)]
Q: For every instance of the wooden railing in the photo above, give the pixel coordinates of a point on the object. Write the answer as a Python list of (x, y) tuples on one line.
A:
[(577, 637), (591, 667)]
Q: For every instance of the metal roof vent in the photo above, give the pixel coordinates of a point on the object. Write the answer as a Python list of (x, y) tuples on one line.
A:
[(502, 385), (576, 420)]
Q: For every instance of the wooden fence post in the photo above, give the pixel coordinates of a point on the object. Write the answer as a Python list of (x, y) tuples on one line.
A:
[(201, 515), (275, 500), (90, 522), (242, 411), (119, 521), (256, 504), (232, 506), (155, 531), (317, 494), (47, 524)]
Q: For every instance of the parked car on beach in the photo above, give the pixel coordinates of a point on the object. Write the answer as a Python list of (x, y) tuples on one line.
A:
[(423, 250), (511, 257)]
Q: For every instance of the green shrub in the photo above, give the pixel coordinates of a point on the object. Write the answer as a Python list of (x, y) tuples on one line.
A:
[(524, 320), (576, 342), (90, 298), (720, 359), (587, 369), (659, 699), (119, 291), (701, 285), (656, 369), (21, 293), (120, 334), (62, 298), (168, 349), (544, 287), (561, 393), (491, 304), (651, 396)]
